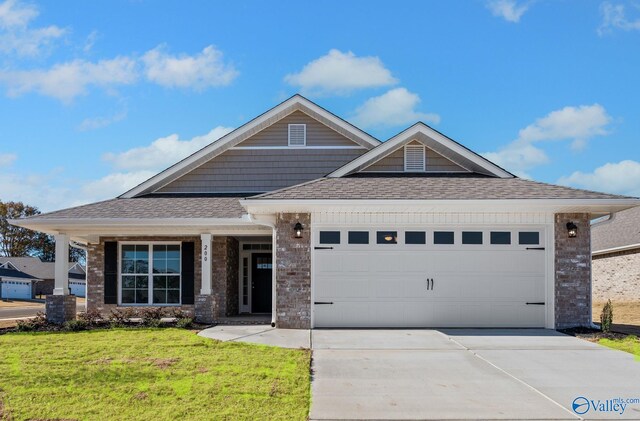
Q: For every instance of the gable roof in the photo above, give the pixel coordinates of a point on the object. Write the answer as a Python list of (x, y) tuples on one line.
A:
[(34, 267), (620, 232), (295, 103), (13, 273), (433, 139)]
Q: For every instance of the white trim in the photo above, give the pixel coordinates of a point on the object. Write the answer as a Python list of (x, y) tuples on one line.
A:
[(294, 103), (266, 148), (409, 133), (304, 134), (206, 241), (424, 158), (615, 249), (248, 254), (149, 274), (61, 268)]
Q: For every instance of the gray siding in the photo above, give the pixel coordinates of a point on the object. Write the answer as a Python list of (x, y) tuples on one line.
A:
[(245, 171), (395, 162), (317, 133)]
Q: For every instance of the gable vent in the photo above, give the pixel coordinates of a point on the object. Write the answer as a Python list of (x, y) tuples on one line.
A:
[(297, 134), (414, 160)]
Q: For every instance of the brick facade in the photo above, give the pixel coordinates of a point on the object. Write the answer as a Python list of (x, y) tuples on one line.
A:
[(95, 271), (293, 272), (60, 308), (572, 271), (616, 276), (224, 278)]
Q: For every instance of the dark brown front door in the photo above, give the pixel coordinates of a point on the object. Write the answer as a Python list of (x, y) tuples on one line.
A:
[(261, 283)]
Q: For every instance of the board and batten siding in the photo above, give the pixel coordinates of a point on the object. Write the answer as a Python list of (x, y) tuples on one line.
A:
[(395, 163), (277, 134), (261, 170)]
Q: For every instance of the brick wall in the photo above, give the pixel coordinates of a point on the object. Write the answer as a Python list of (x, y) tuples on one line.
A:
[(616, 276), (95, 271), (224, 277), (572, 271), (293, 272)]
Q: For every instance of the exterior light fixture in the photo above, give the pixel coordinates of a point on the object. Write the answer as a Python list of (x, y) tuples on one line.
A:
[(388, 238), (572, 229), (298, 230)]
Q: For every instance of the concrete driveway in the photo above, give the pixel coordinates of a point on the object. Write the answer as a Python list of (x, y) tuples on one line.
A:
[(468, 374)]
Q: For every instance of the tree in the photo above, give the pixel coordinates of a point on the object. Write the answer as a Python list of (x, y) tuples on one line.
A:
[(44, 247), (15, 241)]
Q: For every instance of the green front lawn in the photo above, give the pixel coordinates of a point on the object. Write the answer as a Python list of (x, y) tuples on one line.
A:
[(159, 374), (630, 344)]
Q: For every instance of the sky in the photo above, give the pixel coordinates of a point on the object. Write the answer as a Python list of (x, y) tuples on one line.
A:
[(96, 97)]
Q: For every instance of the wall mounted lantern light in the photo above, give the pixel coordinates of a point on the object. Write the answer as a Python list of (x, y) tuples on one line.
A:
[(298, 230), (572, 229)]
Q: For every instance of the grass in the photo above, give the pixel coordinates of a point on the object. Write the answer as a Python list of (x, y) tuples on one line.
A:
[(630, 344), (160, 374)]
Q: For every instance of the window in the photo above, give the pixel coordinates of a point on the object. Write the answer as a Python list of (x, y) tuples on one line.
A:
[(414, 158), (150, 274), (329, 237), (471, 237), (297, 134), (264, 246), (443, 237), (415, 237), (526, 237), (245, 281), (358, 237), (387, 237), (500, 237)]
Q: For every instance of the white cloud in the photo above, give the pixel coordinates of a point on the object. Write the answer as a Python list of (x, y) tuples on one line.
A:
[(90, 41), (95, 123), (201, 71), (620, 177), (16, 36), (576, 124), (6, 159), (509, 10), (614, 16), (111, 185), (393, 108), (341, 73), (68, 80), (163, 152)]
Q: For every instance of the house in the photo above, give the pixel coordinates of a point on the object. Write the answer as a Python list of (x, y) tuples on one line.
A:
[(15, 284), (44, 273), (303, 216), (616, 257)]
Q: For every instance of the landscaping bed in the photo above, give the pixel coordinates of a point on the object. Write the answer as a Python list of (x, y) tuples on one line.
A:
[(148, 373)]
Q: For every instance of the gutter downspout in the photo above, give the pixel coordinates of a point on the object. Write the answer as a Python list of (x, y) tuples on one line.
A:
[(254, 219)]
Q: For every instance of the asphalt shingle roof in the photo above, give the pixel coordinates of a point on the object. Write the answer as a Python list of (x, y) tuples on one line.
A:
[(623, 229), (429, 188), (12, 273), (36, 268), (153, 208)]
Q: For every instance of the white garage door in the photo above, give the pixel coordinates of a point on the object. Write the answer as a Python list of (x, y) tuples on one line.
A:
[(429, 278), (16, 289), (77, 288)]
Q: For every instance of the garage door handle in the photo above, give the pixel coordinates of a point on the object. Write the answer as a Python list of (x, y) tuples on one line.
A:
[(540, 303), (323, 248), (429, 284), (535, 248), (323, 302)]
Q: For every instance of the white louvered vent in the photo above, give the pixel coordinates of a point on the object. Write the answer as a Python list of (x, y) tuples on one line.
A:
[(297, 134), (414, 160)]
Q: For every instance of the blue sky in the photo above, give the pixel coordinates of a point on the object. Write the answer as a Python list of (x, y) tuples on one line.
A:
[(97, 96)]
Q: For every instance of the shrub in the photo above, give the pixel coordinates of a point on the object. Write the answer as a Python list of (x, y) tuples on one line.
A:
[(24, 326), (122, 317), (91, 317), (75, 325), (36, 323), (606, 317), (184, 322), (151, 317), (178, 313)]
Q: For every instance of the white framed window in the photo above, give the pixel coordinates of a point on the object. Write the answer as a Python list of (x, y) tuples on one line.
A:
[(150, 273), (414, 158), (297, 134)]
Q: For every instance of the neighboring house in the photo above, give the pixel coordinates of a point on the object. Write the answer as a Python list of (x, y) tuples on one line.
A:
[(15, 284), (303, 216), (615, 244), (44, 272)]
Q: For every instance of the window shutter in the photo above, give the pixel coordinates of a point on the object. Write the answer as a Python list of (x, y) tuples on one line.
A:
[(188, 269), (414, 158), (111, 272), (297, 134)]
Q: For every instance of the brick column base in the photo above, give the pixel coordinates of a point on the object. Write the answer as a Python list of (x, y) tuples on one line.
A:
[(60, 308), (205, 306)]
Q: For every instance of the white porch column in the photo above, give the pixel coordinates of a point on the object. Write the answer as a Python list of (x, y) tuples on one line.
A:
[(61, 286), (206, 264)]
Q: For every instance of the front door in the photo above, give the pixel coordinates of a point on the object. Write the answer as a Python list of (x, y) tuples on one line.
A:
[(261, 283)]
